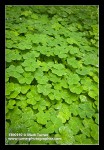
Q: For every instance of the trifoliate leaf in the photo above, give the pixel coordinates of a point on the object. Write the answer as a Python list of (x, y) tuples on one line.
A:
[(96, 79), (41, 105), (54, 78), (9, 88), (26, 78), (57, 94), (19, 69), (12, 55), (77, 88), (25, 88), (9, 43), (73, 50), (86, 110), (66, 136), (88, 122), (30, 65), (74, 109), (54, 124), (73, 79), (81, 138), (21, 104), (75, 124), (26, 13), (64, 113), (71, 97), (14, 94), (11, 104), (31, 101), (31, 55), (42, 80), (24, 45), (96, 116), (34, 16), (63, 83), (93, 93), (42, 117), (83, 70), (28, 114), (34, 128), (83, 98), (72, 41), (85, 131), (45, 89), (73, 62), (88, 59), (95, 131), (59, 70)]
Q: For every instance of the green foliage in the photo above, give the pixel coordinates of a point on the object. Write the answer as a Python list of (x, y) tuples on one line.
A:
[(51, 74), (66, 136)]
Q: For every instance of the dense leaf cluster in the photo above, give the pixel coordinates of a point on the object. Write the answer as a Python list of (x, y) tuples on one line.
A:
[(52, 73)]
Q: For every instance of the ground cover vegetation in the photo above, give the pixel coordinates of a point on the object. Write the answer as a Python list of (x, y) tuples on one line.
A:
[(52, 76)]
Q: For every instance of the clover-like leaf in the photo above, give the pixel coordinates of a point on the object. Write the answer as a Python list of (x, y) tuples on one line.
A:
[(17, 89), (56, 26), (85, 131), (71, 97), (30, 65), (26, 13), (75, 124), (34, 16), (88, 122), (40, 105), (72, 41), (86, 110), (74, 109), (96, 116), (31, 55), (73, 62), (54, 78), (34, 128), (86, 81), (12, 55), (93, 93), (31, 101), (57, 94), (73, 50), (24, 45), (26, 78), (28, 114), (83, 98), (42, 117), (95, 131), (9, 88), (83, 70), (45, 89), (65, 135), (64, 113), (88, 59), (11, 104), (42, 80), (59, 70), (82, 139), (53, 125), (21, 104), (73, 79), (9, 43), (25, 88), (77, 88)]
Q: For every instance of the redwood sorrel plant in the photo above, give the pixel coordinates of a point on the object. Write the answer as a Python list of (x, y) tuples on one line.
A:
[(52, 73)]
